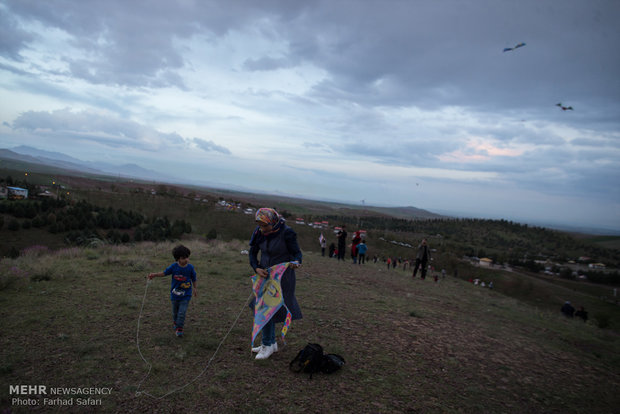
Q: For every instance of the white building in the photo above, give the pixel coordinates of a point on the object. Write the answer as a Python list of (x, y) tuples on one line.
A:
[(17, 193)]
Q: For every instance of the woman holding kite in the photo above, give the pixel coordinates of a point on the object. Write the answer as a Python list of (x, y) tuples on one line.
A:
[(277, 244)]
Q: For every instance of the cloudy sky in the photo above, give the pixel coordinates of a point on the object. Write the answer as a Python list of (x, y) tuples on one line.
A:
[(394, 102)]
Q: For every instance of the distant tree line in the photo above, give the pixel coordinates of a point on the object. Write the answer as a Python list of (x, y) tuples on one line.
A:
[(608, 278), (82, 222)]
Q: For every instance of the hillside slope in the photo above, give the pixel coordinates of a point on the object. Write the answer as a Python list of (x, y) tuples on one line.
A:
[(70, 319)]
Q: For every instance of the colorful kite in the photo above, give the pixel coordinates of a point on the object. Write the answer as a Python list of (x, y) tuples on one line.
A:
[(513, 48), (564, 108), (269, 298)]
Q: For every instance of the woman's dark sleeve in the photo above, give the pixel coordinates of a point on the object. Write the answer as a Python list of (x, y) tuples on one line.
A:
[(291, 244), (254, 256)]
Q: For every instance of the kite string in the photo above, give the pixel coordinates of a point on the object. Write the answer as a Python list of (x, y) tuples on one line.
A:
[(138, 392)]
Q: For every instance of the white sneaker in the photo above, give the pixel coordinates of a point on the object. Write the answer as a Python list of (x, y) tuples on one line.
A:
[(266, 351), (258, 348)]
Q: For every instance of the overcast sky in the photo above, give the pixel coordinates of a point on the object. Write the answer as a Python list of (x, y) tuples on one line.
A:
[(394, 102)]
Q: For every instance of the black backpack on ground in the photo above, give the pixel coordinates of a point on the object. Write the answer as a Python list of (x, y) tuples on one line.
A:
[(332, 363), (311, 359)]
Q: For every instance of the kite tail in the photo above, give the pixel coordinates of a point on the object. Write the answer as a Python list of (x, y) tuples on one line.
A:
[(287, 323)]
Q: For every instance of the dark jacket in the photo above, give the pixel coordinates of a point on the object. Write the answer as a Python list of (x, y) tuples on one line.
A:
[(277, 248), (342, 239), (567, 310), (424, 253)]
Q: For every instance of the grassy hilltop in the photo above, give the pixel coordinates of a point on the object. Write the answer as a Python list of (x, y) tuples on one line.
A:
[(70, 319)]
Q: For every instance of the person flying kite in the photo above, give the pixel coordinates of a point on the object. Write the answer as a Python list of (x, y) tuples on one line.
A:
[(507, 49), (269, 298), (274, 281)]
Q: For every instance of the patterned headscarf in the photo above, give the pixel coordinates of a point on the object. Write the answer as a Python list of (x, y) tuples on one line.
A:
[(267, 216)]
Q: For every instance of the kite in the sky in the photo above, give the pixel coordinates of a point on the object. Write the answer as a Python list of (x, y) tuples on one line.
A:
[(564, 108), (269, 298), (507, 49)]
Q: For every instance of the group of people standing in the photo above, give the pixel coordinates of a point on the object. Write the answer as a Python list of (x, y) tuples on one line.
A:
[(359, 250), (358, 246), (569, 311), (421, 261)]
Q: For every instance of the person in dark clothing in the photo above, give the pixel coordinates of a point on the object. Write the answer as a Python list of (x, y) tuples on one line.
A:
[(332, 249), (582, 313), (567, 309), (357, 238), (422, 258), (277, 244), (342, 241)]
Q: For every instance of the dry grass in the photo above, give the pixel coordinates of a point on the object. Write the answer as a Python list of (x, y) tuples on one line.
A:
[(410, 345)]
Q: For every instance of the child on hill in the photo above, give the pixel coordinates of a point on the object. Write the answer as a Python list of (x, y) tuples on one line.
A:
[(183, 278), (361, 252)]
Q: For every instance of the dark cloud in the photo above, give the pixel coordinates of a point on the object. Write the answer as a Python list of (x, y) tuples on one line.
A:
[(394, 53), (13, 39), (210, 146), (266, 63), (106, 130), (136, 43)]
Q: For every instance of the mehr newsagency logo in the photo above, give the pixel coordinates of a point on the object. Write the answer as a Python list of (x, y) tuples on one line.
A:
[(43, 395)]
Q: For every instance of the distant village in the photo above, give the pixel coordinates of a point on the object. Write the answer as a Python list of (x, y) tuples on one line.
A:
[(18, 193)]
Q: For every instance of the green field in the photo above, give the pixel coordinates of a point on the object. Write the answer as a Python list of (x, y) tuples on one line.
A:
[(69, 319)]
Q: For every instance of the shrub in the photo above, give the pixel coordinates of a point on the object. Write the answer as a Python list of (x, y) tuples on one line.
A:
[(212, 234), (13, 225), (41, 276), (11, 275), (35, 251), (602, 320), (38, 222)]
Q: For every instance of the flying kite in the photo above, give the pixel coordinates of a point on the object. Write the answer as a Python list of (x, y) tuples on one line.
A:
[(564, 108), (507, 49), (269, 298)]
